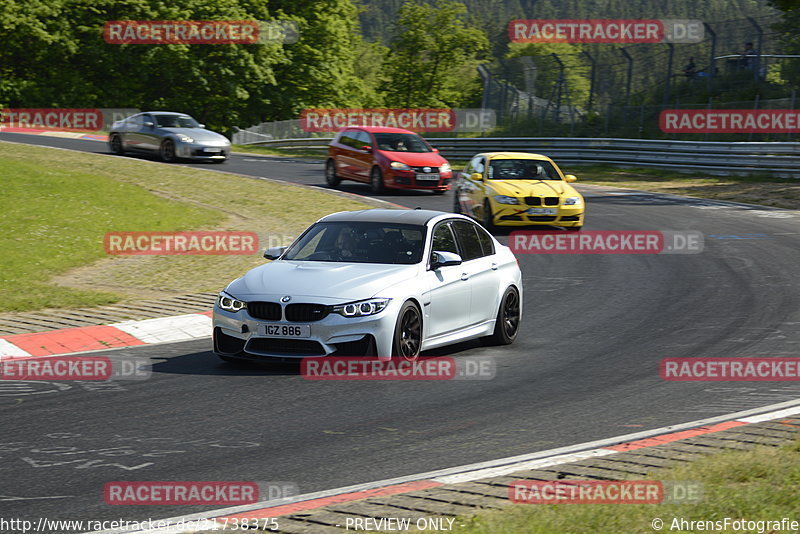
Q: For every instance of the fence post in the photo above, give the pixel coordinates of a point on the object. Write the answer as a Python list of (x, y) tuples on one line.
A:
[(793, 106), (560, 86), (760, 43), (630, 75), (667, 86), (592, 80), (712, 61)]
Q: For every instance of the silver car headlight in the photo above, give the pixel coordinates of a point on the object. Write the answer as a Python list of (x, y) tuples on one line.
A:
[(229, 303), (399, 166), (185, 138), (361, 308), (445, 168), (572, 201), (503, 199)]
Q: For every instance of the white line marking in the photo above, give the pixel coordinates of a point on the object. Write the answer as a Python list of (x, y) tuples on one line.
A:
[(768, 416), (164, 329), (8, 349)]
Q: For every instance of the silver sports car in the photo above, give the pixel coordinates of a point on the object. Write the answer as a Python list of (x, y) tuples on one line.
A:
[(385, 283), (172, 136)]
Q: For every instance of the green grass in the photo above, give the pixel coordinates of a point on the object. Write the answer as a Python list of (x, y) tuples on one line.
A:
[(57, 205), (760, 484), (53, 219)]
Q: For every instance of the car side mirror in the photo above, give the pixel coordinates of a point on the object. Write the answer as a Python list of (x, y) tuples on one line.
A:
[(148, 124), (435, 149), (444, 259), (476, 176), (367, 149), (571, 178), (273, 253)]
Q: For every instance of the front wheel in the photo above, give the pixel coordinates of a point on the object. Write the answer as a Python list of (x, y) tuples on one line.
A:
[(376, 181), (116, 145), (330, 174), (407, 333), (488, 218), (456, 203), (575, 228), (439, 192), (220, 161), (167, 151), (506, 325)]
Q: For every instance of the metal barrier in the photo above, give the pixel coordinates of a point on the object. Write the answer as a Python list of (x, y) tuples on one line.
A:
[(774, 158)]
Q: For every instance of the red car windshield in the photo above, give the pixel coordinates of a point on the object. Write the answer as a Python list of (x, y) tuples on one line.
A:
[(401, 142)]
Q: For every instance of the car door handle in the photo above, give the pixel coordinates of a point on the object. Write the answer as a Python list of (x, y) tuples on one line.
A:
[(464, 276), (494, 266)]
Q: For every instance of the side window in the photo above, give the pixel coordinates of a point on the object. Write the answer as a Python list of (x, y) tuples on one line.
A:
[(362, 138), (468, 239), (486, 241), (348, 138), (443, 239), (478, 164)]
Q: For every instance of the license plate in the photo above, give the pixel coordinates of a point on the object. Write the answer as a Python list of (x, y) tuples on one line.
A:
[(285, 330), (213, 150), (542, 211), (425, 177)]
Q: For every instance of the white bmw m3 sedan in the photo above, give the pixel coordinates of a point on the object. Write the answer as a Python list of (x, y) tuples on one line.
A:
[(378, 282)]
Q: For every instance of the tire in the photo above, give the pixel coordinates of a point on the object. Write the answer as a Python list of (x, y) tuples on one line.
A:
[(407, 333), (219, 161), (506, 326), (487, 221), (376, 181), (456, 203), (167, 151), (116, 145), (439, 192), (575, 228), (330, 174)]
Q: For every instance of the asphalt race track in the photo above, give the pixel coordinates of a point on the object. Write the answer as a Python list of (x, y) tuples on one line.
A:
[(585, 367)]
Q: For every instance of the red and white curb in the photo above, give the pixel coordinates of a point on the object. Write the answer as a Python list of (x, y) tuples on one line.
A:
[(472, 472), (104, 337), (55, 133)]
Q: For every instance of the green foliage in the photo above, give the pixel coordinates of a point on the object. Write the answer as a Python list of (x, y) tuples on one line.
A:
[(433, 55)]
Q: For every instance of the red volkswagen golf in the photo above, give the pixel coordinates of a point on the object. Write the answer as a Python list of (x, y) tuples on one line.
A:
[(386, 158)]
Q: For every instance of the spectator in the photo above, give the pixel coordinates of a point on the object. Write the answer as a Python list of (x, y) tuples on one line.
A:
[(748, 57), (690, 70)]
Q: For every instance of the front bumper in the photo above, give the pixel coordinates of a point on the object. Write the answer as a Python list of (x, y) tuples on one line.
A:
[(238, 335), (201, 151), (517, 215), (408, 180)]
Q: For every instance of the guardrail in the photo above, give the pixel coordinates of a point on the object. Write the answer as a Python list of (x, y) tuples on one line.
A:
[(712, 157)]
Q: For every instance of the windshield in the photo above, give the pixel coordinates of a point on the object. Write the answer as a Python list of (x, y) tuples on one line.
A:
[(175, 121), (360, 242), (522, 169), (401, 142)]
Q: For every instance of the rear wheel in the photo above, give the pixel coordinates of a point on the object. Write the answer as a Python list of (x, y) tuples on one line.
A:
[(167, 151), (376, 181), (116, 145), (407, 333), (506, 326), (330, 174)]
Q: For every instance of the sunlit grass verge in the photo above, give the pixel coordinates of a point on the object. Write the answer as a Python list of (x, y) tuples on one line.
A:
[(306, 153), (759, 484), (57, 205)]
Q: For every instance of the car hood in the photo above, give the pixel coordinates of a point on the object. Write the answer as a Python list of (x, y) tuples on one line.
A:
[(198, 134), (336, 281), (532, 188), (416, 159)]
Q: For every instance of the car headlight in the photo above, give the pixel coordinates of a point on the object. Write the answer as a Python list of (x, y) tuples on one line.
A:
[(185, 138), (445, 168), (399, 166), (572, 201), (503, 199), (360, 308), (229, 303)]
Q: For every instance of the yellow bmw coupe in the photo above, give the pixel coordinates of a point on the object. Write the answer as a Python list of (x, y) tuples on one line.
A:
[(518, 189)]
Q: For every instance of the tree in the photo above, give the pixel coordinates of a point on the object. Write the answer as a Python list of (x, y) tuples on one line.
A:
[(431, 57)]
